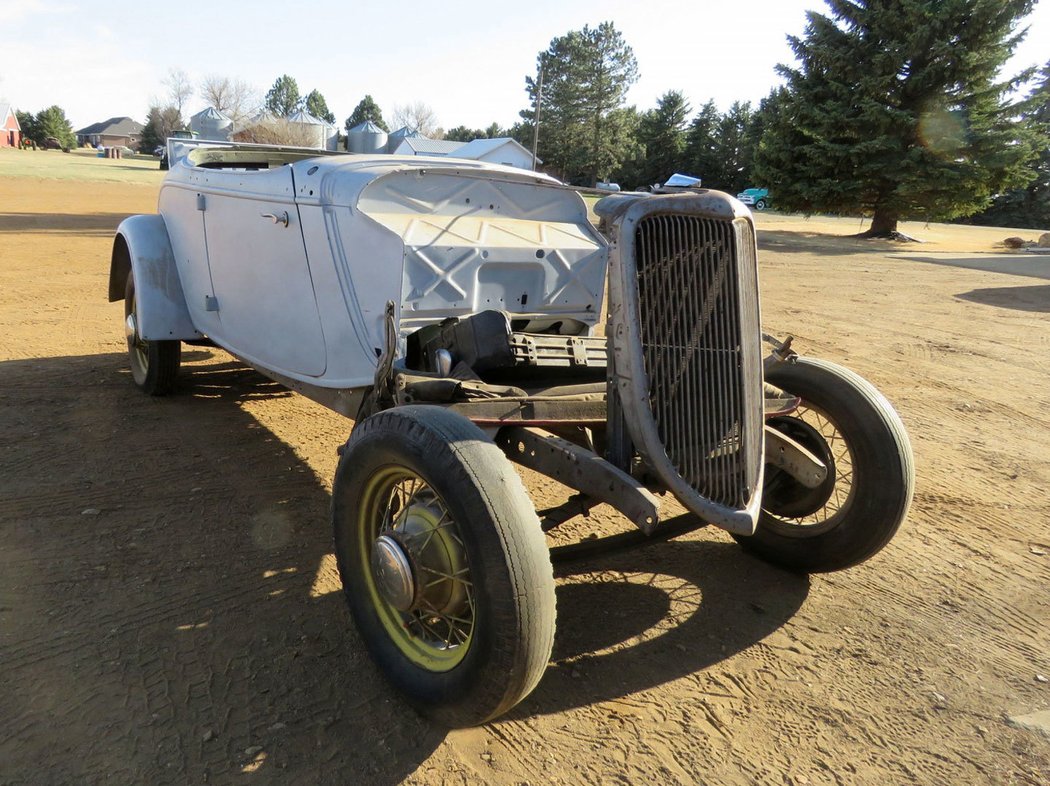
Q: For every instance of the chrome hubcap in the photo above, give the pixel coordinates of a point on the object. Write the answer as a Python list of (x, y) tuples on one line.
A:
[(130, 328), (393, 573)]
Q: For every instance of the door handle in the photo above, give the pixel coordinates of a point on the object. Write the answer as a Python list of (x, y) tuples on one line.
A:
[(281, 218)]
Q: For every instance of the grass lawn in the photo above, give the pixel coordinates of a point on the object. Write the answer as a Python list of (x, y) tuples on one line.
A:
[(81, 164)]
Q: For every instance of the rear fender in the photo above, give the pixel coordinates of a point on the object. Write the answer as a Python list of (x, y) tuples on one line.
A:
[(142, 247)]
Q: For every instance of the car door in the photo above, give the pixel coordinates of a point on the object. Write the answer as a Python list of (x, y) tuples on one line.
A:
[(264, 292)]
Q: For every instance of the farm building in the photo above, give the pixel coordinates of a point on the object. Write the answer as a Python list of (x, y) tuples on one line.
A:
[(501, 150), (421, 146), (10, 130), (210, 123), (115, 132)]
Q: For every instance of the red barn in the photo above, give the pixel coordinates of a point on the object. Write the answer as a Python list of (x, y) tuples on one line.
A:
[(10, 131)]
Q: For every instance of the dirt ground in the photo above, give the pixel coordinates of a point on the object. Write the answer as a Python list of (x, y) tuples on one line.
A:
[(169, 606)]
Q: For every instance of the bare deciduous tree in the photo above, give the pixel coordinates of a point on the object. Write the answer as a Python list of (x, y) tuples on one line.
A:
[(235, 98), (418, 116), (180, 88)]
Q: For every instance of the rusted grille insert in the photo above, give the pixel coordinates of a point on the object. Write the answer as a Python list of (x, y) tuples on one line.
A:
[(695, 279)]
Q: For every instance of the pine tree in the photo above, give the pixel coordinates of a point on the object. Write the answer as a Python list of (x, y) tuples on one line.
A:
[(896, 108), (661, 133), (315, 104), (52, 122), (368, 109), (1029, 206), (161, 122), (700, 143), (283, 98), (732, 151), (585, 130)]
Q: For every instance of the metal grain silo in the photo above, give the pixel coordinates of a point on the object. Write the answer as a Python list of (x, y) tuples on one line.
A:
[(399, 136), (210, 123), (366, 137), (315, 132)]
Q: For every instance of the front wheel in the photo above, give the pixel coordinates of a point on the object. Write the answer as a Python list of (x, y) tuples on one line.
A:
[(846, 422), (154, 364), (443, 563), (761, 204)]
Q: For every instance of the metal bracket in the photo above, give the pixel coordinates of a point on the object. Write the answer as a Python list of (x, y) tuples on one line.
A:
[(788, 455), (781, 352), (580, 469)]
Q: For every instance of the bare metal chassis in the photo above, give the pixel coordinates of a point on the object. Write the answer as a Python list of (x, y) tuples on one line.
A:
[(552, 432)]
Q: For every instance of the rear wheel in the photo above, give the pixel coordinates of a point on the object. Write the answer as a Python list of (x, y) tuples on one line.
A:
[(443, 563), (848, 424), (154, 364)]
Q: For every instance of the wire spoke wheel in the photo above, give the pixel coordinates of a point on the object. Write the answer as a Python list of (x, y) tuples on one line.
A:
[(418, 574), (790, 507), (444, 564), (856, 510)]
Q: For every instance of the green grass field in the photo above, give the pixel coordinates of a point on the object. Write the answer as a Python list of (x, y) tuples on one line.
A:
[(82, 164)]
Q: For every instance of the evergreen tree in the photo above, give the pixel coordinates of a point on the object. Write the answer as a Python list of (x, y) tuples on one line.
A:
[(52, 122), (661, 135), (318, 107), (585, 131), (282, 99), (1029, 207), (30, 129), (161, 122), (464, 134), (699, 156), (368, 109), (896, 109), (732, 150)]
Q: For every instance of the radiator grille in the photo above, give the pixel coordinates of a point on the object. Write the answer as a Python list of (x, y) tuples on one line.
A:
[(695, 281)]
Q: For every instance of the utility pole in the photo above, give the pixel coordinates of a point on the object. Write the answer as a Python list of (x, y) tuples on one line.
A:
[(536, 117)]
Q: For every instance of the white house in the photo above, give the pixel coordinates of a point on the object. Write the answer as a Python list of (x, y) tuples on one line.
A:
[(421, 146), (501, 150)]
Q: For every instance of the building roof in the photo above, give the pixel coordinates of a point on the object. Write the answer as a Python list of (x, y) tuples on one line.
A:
[(367, 127), (115, 126), (5, 110), (431, 147), (482, 147), (211, 113), (302, 116), (406, 132)]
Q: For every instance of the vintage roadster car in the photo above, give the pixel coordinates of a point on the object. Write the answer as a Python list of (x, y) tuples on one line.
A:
[(455, 311)]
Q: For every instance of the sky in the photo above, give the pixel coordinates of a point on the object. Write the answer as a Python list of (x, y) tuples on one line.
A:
[(467, 61)]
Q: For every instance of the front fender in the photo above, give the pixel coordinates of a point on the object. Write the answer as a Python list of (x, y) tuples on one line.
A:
[(142, 248)]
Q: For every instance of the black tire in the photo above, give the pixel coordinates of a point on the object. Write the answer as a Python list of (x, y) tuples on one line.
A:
[(846, 421), (154, 364), (761, 204), (483, 644)]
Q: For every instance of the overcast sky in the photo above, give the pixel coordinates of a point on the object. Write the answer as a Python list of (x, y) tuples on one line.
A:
[(468, 61)]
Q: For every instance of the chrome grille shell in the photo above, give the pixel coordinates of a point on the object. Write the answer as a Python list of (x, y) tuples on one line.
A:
[(685, 345)]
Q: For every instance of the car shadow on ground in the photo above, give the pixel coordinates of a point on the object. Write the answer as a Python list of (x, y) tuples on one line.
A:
[(1029, 265), (1035, 299), (169, 608), (639, 618), (91, 224)]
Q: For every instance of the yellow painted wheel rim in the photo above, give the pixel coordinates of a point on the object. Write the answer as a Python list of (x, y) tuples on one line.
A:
[(436, 633)]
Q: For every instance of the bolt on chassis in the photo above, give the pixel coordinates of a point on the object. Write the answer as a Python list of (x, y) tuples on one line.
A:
[(454, 309)]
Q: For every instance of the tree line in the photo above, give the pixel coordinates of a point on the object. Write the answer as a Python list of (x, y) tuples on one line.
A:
[(894, 109)]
